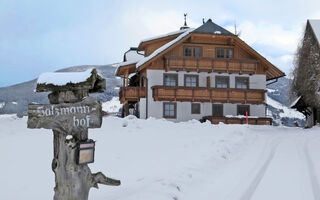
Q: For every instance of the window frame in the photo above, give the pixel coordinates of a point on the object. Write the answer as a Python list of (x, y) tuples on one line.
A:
[(224, 52), (168, 74), (218, 48), (242, 106), (222, 77), (191, 75), (197, 112), (192, 51), (237, 78), (184, 51), (164, 110), (221, 107)]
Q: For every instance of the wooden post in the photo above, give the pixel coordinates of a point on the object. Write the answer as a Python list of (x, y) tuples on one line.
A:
[(127, 79), (69, 103)]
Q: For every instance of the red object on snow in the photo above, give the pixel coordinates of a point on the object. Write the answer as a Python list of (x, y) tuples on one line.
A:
[(247, 117)]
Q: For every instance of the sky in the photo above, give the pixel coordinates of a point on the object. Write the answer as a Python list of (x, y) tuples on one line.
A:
[(39, 36)]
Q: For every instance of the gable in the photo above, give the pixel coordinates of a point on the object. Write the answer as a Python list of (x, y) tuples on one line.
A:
[(315, 26), (208, 45), (209, 36)]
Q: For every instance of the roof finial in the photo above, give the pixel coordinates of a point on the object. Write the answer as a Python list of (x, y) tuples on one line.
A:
[(185, 26), (235, 29), (203, 22)]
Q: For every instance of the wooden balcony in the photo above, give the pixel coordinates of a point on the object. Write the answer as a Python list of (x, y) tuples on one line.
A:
[(131, 94), (203, 64), (235, 120), (204, 94)]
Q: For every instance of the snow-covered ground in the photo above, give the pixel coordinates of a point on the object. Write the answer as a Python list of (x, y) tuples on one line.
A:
[(160, 160), (111, 106), (287, 112)]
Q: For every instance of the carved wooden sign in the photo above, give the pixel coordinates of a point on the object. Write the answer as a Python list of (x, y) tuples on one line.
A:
[(71, 112), (68, 117)]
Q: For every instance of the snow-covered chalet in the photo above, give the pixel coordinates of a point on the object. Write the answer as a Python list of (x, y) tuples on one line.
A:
[(207, 73)]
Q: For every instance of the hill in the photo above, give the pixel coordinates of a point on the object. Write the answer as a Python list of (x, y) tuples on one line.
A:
[(15, 98)]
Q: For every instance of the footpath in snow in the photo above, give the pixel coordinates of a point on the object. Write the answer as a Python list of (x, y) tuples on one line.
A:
[(160, 160)]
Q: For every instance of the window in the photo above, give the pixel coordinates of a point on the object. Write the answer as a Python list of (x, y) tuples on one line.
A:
[(242, 109), (220, 53), (191, 80), (188, 51), (217, 110), (242, 82), (169, 110), (224, 53), (170, 79), (222, 82), (195, 108), (229, 53), (192, 51), (196, 52)]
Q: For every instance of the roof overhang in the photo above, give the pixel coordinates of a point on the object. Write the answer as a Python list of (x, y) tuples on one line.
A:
[(126, 69), (272, 72)]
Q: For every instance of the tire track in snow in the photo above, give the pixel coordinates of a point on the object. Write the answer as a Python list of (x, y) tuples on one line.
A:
[(261, 172), (311, 171)]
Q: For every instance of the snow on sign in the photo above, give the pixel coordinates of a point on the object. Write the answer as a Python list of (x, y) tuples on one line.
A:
[(85, 114)]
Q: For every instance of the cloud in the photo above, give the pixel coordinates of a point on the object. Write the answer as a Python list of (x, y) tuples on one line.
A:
[(270, 35), (142, 22), (273, 41)]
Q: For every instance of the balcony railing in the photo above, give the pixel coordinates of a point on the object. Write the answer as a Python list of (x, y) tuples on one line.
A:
[(235, 120), (203, 64), (204, 94), (131, 94)]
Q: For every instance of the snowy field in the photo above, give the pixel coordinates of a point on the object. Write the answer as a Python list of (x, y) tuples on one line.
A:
[(161, 160)]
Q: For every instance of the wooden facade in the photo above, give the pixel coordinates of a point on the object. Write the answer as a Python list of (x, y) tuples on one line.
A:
[(207, 64), (204, 94), (235, 120)]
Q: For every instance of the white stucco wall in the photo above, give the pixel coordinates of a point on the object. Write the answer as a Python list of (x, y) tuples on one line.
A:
[(142, 107), (155, 108)]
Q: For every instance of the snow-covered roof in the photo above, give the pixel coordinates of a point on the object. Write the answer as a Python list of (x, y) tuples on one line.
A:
[(129, 62), (132, 55), (164, 35), (62, 78), (122, 64), (211, 28), (164, 47), (208, 28), (295, 102), (315, 24)]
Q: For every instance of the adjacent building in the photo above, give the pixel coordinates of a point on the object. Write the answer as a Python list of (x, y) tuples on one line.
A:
[(203, 73)]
